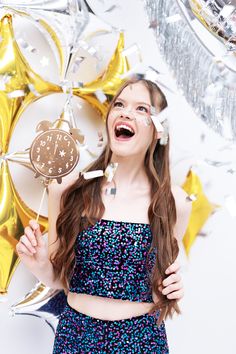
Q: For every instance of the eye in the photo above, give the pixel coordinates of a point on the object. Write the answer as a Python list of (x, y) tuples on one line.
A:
[(142, 109), (118, 104)]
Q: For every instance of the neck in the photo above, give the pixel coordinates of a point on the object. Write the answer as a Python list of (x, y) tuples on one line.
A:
[(130, 172)]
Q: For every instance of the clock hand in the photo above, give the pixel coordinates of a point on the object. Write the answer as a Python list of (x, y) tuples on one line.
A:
[(55, 149)]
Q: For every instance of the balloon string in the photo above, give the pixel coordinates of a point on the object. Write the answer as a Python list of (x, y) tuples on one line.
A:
[(41, 203)]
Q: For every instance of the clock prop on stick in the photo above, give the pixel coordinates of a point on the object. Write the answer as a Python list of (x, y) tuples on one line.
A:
[(54, 152)]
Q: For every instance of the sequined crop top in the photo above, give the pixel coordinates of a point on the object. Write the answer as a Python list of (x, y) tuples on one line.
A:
[(110, 261)]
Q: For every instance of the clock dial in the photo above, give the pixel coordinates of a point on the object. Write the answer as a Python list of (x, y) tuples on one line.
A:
[(54, 153)]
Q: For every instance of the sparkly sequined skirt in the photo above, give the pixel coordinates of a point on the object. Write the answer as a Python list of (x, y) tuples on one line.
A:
[(79, 333)]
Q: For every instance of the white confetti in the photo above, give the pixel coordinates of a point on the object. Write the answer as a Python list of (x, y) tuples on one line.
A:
[(92, 174), (100, 96), (16, 93), (173, 18), (110, 171)]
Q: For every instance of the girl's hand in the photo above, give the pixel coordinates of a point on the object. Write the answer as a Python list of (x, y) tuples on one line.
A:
[(31, 248), (172, 286)]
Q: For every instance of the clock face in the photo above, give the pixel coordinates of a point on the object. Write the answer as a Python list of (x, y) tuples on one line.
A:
[(54, 153)]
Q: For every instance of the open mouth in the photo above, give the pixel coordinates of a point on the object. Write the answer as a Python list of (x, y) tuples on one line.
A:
[(124, 131)]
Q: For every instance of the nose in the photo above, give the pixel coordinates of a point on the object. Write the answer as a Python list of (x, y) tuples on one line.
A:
[(127, 114)]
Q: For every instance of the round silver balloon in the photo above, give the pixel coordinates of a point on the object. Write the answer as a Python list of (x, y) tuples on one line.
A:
[(204, 67)]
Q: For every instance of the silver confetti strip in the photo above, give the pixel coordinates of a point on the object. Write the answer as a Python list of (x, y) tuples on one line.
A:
[(110, 171), (92, 174), (191, 197), (16, 93), (189, 61), (110, 191), (100, 96), (25, 45)]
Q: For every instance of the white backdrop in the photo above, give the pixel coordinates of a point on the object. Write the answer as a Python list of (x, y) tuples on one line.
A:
[(208, 321)]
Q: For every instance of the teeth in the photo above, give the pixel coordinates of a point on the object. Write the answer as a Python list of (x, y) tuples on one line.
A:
[(118, 127)]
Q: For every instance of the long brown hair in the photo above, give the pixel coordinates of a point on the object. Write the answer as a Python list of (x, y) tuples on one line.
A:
[(84, 197)]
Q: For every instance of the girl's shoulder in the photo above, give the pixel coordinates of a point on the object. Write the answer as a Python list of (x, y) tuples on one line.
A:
[(183, 211), (182, 202)]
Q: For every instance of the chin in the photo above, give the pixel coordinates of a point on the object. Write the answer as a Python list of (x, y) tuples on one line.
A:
[(124, 151)]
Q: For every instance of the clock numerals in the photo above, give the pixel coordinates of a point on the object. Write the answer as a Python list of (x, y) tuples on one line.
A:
[(42, 142), (54, 153), (59, 137)]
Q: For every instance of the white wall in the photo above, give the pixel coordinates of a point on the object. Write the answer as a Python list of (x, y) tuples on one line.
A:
[(208, 311)]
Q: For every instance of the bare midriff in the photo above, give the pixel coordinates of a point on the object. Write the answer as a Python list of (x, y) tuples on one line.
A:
[(105, 308)]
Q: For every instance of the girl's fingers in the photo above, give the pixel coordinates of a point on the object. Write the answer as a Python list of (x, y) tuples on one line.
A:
[(31, 236), (173, 268), (176, 295), (36, 229), (173, 278), (24, 239), (21, 249), (173, 287)]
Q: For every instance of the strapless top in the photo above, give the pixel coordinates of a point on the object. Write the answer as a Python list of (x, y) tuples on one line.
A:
[(112, 260)]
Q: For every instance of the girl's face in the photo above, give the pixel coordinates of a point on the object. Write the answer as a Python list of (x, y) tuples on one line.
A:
[(129, 123)]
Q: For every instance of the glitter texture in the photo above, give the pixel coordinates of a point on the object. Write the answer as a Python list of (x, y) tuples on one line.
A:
[(111, 261), (79, 333)]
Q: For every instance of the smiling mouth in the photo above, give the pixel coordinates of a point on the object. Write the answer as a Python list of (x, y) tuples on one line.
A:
[(123, 131)]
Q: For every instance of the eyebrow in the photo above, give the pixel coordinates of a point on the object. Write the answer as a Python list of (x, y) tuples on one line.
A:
[(147, 104)]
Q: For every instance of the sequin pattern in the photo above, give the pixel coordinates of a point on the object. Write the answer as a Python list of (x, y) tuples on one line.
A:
[(111, 261), (79, 333)]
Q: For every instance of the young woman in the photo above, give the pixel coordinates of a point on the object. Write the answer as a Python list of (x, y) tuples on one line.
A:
[(114, 253)]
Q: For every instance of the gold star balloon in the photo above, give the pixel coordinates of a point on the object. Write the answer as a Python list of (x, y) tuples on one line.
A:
[(17, 80), (20, 85), (14, 216), (202, 208)]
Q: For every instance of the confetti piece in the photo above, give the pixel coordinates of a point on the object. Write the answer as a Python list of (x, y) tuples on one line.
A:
[(130, 50), (111, 8), (67, 86), (33, 90), (26, 45), (4, 79), (16, 93), (100, 96), (173, 18), (100, 139), (110, 171), (92, 174), (159, 118), (76, 63), (110, 191), (191, 197)]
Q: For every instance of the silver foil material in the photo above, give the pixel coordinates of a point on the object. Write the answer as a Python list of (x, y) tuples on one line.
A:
[(194, 67)]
